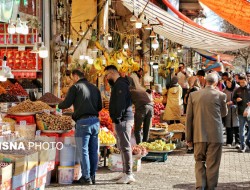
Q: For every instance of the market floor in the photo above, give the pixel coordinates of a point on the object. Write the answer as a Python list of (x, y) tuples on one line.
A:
[(176, 173)]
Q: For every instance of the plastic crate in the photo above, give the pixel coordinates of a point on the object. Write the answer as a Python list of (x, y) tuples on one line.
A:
[(156, 157)]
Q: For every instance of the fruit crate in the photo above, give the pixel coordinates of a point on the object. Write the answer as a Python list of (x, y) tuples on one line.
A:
[(155, 157)]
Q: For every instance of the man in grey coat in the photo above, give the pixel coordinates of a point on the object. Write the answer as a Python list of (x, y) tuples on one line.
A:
[(204, 128)]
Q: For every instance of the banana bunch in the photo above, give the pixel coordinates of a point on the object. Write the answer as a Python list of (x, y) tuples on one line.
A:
[(99, 46)]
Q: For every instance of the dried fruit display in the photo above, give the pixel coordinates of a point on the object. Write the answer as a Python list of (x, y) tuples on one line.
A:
[(2, 90), (105, 119), (50, 98), (8, 98), (7, 84), (11, 122), (17, 90), (29, 106), (55, 122)]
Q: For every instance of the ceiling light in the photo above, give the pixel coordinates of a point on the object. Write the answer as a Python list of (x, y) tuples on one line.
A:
[(81, 57), (155, 44), (148, 26), (138, 23), (133, 18), (81, 32), (90, 61), (25, 29), (34, 50), (138, 41), (151, 62), (43, 52), (11, 28), (19, 26), (109, 38), (125, 46), (152, 35), (155, 66)]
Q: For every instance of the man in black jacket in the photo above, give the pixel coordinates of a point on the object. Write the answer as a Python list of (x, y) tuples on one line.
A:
[(242, 99), (120, 109), (87, 102)]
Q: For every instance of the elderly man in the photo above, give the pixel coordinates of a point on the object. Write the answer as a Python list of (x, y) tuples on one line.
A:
[(204, 128)]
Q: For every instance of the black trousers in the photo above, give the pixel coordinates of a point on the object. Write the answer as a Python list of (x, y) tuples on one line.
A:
[(232, 134)]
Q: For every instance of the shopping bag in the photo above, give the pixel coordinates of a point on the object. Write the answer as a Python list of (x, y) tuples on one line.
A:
[(246, 112)]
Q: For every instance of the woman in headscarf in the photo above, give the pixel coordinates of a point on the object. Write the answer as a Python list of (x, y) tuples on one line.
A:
[(231, 120), (173, 108)]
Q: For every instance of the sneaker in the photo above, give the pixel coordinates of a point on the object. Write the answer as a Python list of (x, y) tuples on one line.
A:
[(243, 149), (84, 181), (126, 179), (92, 179), (229, 145), (119, 176), (237, 146)]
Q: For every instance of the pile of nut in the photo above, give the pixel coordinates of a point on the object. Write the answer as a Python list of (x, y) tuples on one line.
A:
[(55, 122), (8, 98), (50, 98), (29, 106)]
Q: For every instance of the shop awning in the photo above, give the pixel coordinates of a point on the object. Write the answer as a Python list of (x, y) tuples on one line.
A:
[(235, 12), (213, 55), (181, 32)]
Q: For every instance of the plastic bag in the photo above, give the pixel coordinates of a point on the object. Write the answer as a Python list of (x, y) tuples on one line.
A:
[(246, 112)]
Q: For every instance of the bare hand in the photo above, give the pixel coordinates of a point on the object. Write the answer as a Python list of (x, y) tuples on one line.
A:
[(248, 104), (239, 99), (229, 103)]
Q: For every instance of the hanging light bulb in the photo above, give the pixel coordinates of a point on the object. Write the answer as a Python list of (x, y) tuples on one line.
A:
[(119, 61), (34, 50), (138, 47), (151, 62), (91, 61), (4, 62), (138, 41), (133, 18), (11, 28), (25, 29), (152, 34), (155, 44), (81, 57), (109, 38), (148, 26), (155, 66), (81, 32), (43, 52), (125, 46), (138, 23), (8, 73), (19, 26)]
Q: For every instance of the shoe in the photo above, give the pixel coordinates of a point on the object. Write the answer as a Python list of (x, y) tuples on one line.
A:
[(84, 181), (243, 149), (92, 179), (248, 143), (237, 146), (119, 176), (190, 151), (229, 145), (126, 179)]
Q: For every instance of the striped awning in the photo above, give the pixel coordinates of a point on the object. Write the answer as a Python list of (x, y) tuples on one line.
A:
[(180, 31)]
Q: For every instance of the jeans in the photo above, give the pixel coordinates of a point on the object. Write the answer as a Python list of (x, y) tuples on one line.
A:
[(144, 116), (86, 136), (243, 121), (123, 132)]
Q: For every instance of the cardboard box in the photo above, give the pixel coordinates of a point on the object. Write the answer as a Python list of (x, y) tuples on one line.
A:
[(5, 174), (19, 162), (32, 174), (32, 161), (31, 185), (18, 181), (7, 185), (115, 163), (43, 156), (77, 172), (42, 169), (40, 181)]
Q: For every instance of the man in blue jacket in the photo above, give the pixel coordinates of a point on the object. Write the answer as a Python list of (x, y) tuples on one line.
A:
[(120, 109), (87, 102)]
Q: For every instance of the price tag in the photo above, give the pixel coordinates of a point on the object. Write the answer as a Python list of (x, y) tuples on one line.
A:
[(58, 111), (13, 104), (23, 123), (38, 132), (21, 48), (46, 111)]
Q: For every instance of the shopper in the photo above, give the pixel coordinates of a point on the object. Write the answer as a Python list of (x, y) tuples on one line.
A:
[(144, 110), (231, 120), (201, 78), (242, 99), (204, 129), (183, 76), (173, 110), (87, 102), (120, 109)]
